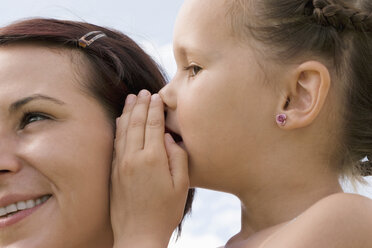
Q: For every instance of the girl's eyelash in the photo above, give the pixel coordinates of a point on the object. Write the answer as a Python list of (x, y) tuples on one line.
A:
[(193, 70), (28, 116)]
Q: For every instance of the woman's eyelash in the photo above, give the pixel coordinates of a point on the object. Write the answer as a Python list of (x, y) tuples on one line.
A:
[(193, 70), (29, 117)]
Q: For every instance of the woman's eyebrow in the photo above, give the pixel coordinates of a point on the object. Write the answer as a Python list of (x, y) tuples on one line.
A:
[(18, 104)]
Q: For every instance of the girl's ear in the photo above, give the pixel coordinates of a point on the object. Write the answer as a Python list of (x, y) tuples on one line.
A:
[(306, 93)]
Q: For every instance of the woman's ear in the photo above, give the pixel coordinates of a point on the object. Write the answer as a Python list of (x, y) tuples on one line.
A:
[(306, 93)]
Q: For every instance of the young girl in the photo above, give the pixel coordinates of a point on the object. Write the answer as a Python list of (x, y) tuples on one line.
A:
[(272, 103)]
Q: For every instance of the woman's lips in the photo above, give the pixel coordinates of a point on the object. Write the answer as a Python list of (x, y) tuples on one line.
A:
[(17, 211)]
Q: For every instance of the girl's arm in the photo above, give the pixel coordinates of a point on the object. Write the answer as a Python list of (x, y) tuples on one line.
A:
[(149, 176)]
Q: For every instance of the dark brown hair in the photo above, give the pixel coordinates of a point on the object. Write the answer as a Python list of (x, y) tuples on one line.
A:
[(118, 66), (338, 32)]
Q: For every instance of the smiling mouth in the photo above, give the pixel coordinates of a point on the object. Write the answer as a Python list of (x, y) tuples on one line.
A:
[(14, 208)]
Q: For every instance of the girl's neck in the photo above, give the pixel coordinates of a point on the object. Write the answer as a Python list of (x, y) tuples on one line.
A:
[(281, 202)]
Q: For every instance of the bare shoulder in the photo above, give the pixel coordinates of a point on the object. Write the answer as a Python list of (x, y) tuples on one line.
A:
[(337, 221)]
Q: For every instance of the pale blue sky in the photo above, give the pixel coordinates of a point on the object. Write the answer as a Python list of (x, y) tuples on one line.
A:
[(145, 19)]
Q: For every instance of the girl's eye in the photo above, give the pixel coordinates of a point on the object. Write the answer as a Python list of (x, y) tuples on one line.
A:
[(193, 70), (32, 117)]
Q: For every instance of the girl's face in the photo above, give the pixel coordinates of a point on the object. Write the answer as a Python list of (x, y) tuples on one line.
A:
[(218, 100), (56, 148)]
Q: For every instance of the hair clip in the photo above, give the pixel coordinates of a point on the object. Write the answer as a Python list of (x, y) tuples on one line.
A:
[(84, 43)]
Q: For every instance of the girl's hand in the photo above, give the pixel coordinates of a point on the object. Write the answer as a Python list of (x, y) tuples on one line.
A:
[(149, 181)]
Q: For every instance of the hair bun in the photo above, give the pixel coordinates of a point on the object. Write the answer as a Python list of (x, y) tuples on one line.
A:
[(336, 14), (362, 22), (328, 13)]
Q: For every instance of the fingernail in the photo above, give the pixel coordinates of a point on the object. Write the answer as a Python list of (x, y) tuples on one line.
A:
[(131, 99), (155, 97), (144, 93)]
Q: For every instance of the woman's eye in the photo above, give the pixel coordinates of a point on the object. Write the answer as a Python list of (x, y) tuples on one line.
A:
[(32, 117), (193, 70)]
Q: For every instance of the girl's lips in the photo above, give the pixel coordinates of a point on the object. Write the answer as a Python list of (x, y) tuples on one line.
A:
[(182, 145), (177, 138), (13, 218)]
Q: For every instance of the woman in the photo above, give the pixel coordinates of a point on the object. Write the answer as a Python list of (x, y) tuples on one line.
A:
[(62, 85)]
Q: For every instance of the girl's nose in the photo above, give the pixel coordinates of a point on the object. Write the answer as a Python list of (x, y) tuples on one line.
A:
[(169, 96)]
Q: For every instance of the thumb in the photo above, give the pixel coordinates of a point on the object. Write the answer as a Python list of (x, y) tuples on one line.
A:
[(178, 162)]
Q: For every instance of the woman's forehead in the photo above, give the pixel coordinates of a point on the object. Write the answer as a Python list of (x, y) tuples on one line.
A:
[(29, 69)]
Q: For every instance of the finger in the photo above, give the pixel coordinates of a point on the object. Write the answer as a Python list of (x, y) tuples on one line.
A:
[(154, 135), (178, 163), (122, 123), (136, 126), (121, 130)]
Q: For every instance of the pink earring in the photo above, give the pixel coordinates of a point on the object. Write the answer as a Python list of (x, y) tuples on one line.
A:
[(281, 119)]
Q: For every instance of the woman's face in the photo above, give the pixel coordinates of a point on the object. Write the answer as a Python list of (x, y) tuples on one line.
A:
[(56, 148)]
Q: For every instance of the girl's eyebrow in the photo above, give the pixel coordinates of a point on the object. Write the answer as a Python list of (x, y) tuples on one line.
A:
[(18, 104), (186, 50), (182, 49)]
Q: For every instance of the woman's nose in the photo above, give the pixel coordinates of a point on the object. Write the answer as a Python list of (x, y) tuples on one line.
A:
[(9, 161)]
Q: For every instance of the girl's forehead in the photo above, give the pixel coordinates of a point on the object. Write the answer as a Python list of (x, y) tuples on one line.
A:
[(205, 15), (201, 25)]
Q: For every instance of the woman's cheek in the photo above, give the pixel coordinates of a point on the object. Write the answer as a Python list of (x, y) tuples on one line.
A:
[(74, 160)]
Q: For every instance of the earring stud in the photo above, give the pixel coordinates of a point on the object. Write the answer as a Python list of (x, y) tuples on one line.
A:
[(281, 119)]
